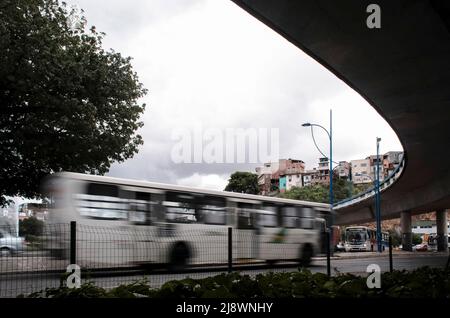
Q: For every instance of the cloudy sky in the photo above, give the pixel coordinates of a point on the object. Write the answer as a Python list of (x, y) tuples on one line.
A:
[(209, 66)]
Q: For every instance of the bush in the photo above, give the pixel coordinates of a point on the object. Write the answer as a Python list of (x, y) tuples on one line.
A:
[(31, 228), (423, 282)]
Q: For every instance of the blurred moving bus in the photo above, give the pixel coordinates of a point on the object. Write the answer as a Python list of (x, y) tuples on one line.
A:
[(363, 238), (178, 225)]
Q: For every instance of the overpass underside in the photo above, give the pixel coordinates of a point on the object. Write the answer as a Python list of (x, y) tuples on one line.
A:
[(402, 69)]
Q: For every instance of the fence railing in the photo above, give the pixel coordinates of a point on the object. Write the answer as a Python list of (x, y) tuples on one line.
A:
[(369, 193), (115, 255)]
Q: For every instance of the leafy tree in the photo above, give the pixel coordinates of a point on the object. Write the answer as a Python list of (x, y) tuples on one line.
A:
[(360, 188), (396, 238), (243, 182), (313, 193), (66, 103), (342, 189), (30, 227)]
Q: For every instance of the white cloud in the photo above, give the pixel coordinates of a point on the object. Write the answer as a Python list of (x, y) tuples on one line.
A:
[(209, 181)]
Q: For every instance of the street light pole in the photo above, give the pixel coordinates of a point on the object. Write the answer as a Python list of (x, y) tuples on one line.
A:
[(377, 198), (331, 165), (331, 177)]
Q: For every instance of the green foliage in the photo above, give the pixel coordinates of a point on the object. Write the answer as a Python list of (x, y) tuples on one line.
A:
[(243, 182), (361, 187), (423, 282), (416, 239), (66, 103), (342, 189), (314, 193), (396, 238), (31, 228)]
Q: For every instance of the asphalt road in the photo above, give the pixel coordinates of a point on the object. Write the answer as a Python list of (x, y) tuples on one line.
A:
[(11, 286)]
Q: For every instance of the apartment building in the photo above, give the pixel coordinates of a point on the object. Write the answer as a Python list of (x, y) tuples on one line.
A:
[(361, 171), (281, 175)]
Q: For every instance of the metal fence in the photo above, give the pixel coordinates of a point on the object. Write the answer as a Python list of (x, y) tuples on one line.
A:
[(111, 256)]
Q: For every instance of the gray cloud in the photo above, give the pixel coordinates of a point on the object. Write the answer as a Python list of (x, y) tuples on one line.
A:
[(210, 63)]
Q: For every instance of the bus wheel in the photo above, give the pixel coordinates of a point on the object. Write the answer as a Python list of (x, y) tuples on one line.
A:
[(305, 257), (179, 256)]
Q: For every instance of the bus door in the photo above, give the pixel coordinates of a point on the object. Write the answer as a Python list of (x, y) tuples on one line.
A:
[(322, 227), (246, 231), (103, 231), (144, 211), (271, 234)]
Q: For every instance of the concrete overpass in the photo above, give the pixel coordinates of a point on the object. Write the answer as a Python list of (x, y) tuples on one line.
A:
[(402, 69)]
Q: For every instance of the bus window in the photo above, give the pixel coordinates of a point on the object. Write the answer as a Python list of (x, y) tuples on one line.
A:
[(180, 208), (306, 223), (306, 212), (246, 216), (101, 201), (269, 216), (213, 215), (298, 217), (179, 212), (211, 210), (140, 207), (267, 220)]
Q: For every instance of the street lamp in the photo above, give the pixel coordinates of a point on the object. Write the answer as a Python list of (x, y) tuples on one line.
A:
[(377, 197), (329, 133), (376, 182)]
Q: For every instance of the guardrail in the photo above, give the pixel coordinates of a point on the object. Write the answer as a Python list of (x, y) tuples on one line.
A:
[(386, 183)]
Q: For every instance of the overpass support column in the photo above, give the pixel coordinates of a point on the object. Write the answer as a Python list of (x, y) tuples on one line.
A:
[(405, 222), (442, 230)]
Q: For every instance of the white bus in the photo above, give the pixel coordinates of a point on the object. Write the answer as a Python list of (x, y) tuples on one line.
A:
[(363, 238), (133, 222)]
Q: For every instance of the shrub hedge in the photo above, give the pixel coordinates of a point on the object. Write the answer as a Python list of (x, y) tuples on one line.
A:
[(423, 282)]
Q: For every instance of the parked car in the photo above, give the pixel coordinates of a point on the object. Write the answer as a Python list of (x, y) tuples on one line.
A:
[(421, 247), (10, 245)]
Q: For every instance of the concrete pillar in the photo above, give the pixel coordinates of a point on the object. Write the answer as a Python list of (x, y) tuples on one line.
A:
[(442, 230), (405, 223)]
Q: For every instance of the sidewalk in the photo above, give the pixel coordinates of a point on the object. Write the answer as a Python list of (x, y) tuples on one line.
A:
[(395, 253)]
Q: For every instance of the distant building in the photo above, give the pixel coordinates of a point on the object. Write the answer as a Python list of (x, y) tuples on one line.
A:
[(277, 176), (323, 172), (308, 176), (266, 177), (391, 160), (293, 180), (343, 170), (426, 227), (364, 170), (361, 171), (373, 165)]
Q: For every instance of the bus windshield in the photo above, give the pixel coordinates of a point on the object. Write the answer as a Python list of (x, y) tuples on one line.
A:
[(355, 235)]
